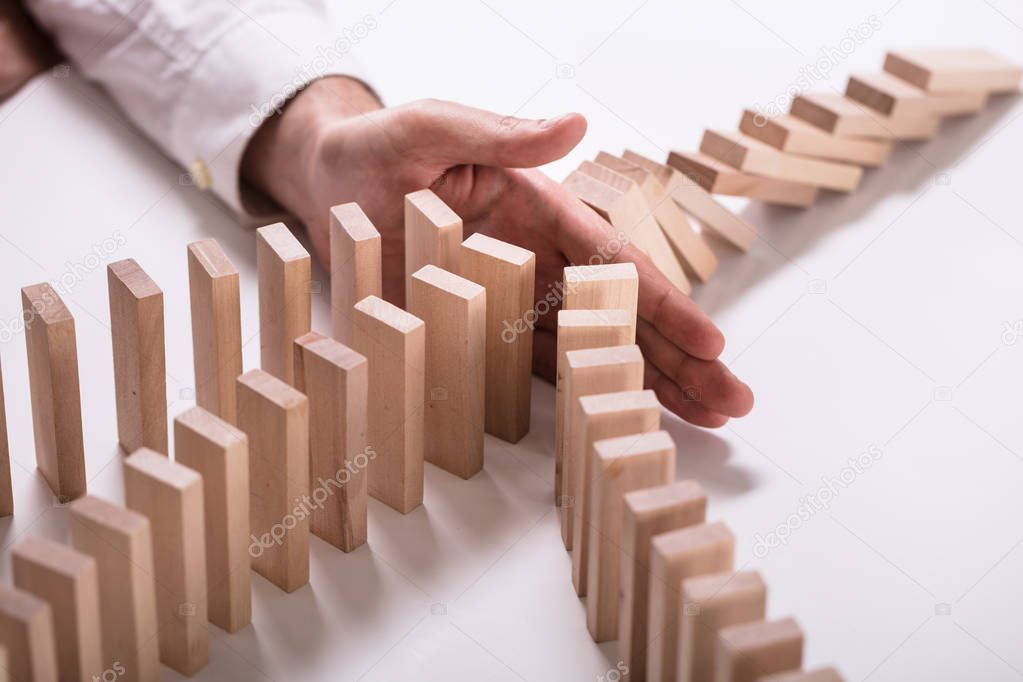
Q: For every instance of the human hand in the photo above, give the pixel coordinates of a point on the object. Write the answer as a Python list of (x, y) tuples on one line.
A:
[(24, 50)]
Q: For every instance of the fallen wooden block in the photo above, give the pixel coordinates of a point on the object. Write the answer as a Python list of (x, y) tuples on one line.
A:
[(710, 603), (675, 556), (216, 327), (275, 417), (140, 367), (795, 136), (394, 343), (745, 153), (720, 178), (336, 380), (648, 513), (954, 70), (220, 453), (69, 582), (751, 651), (827, 674), (355, 265), (601, 416), (170, 495), (26, 632), (892, 96), (508, 274), (433, 233), (53, 382), (121, 542), (285, 303), (621, 465), (839, 115), (6, 485)]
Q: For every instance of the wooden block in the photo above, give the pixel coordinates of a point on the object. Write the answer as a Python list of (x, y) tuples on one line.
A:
[(647, 513), (394, 343), (827, 674), (216, 327), (749, 652), (710, 603), (454, 311), (950, 70), (720, 178), (336, 380), (5, 665), (355, 265), (508, 273), (892, 96), (675, 556), (220, 453), (26, 632), (839, 115), (276, 419), (69, 582), (170, 495), (433, 234), (696, 257), (621, 465), (699, 203), (53, 381), (795, 136), (601, 416), (140, 367), (285, 304), (121, 542), (745, 153), (6, 486)]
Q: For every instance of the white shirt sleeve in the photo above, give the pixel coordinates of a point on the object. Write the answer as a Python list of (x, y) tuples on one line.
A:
[(200, 76)]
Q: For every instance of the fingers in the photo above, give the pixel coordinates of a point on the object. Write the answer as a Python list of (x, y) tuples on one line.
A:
[(676, 400), (545, 345)]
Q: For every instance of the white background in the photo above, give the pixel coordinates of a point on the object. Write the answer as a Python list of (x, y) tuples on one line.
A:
[(903, 349)]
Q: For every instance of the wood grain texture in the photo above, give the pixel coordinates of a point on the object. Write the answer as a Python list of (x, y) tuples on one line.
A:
[(751, 651), (216, 327), (285, 303), (356, 269), (170, 495), (952, 70), (894, 97), (839, 115), (508, 273), (433, 235), (600, 287), (56, 398), (790, 134), (26, 632), (6, 484), (720, 178), (140, 365)]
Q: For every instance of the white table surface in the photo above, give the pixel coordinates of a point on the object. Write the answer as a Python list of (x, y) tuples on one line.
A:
[(869, 321)]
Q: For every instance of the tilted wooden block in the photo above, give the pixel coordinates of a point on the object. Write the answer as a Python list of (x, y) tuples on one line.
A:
[(170, 495), (601, 416), (751, 651), (895, 97), (954, 70), (285, 304), (356, 269), (53, 381), (140, 366), (69, 582), (5, 665), (720, 178), (433, 233), (710, 603), (336, 380), (26, 632), (508, 273), (276, 419), (394, 343), (827, 674), (220, 453), (216, 327), (598, 287), (675, 556), (647, 513), (121, 542), (839, 115), (621, 465), (796, 136), (6, 485)]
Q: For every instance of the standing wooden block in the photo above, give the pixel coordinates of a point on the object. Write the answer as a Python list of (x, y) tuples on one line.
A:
[(394, 343), (6, 485), (56, 401), (454, 311), (839, 115), (216, 327), (508, 273), (892, 96), (26, 632), (720, 178), (675, 556), (68, 581), (827, 674), (648, 513), (621, 465), (751, 651), (336, 380), (710, 603), (790, 134), (140, 369), (121, 542), (285, 304), (5, 665), (170, 495), (355, 265), (276, 419), (954, 70), (220, 453), (433, 233), (601, 416)]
